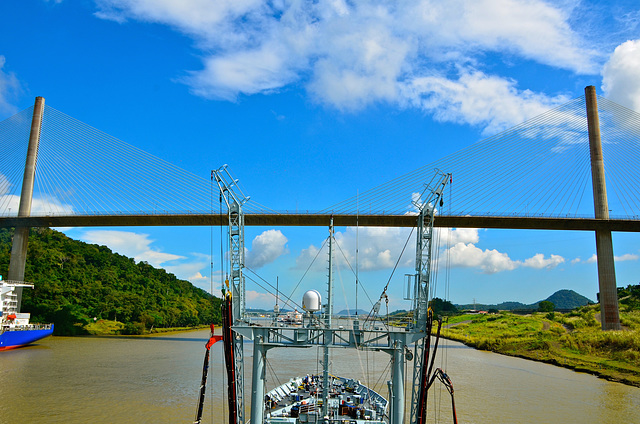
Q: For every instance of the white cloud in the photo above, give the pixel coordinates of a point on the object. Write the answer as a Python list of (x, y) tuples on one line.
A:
[(39, 205), (9, 88), (422, 53), (266, 248), (260, 300), (5, 185), (477, 99), (139, 247), (190, 271), (620, 81), (489, 261), (538, 261), (626, 257), (134, 245), (379, 247), (452, 236)]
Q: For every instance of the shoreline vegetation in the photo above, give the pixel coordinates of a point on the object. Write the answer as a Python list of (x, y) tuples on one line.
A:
[(115, 328), (571, 340), (87, 289)]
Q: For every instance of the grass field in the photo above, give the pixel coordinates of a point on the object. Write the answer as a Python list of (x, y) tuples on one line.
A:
[(573, 340)]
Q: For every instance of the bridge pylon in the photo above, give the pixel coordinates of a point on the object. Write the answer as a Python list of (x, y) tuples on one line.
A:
[(20, 242), (610, 317)]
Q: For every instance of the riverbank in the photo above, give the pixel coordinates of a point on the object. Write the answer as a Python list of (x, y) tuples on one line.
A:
[(115, 328), (572, 340)]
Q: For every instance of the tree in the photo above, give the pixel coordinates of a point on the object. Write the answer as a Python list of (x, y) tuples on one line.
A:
[(442, 307), (546, 306), (76, 283)]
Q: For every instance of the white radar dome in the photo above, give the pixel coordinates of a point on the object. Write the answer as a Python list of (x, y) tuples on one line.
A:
[(312, 301)]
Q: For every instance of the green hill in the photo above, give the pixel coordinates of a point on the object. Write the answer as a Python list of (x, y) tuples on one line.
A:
[(78, 283), (568, 299), (562, 299)]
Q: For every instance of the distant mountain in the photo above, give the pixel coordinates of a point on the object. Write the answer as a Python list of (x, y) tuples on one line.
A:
[(562, 299), (510, 306)]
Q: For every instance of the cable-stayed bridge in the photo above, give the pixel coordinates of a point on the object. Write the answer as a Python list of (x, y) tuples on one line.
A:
[(534, 175), (542, 174)]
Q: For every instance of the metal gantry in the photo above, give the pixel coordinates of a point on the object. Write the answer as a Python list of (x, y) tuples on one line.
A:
[(234, 199), (427, 205)]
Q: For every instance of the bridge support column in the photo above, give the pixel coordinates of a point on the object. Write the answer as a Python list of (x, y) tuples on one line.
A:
[(609, 316), (20, 242)]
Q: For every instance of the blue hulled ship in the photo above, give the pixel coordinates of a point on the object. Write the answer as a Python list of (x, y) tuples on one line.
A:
[(15, 329)]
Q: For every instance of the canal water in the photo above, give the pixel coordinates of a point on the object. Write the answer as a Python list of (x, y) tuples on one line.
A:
[(156, 380)]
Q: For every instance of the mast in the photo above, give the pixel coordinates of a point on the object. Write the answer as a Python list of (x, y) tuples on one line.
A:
[(234, 199), (426, 205), (327, 331)]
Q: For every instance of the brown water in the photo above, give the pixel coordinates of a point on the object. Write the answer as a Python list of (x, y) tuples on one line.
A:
[(156, 380)]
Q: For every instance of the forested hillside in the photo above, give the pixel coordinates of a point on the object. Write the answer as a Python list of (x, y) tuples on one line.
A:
[(78, 283)]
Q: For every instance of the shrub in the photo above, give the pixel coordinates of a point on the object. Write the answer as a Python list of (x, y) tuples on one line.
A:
[(133, 328)]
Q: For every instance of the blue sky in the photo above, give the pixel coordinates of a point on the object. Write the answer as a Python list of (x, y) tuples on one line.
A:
[(312, 102)]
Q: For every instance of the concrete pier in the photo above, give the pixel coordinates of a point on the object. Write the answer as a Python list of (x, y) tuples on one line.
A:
[(20, 242), (610, 317)]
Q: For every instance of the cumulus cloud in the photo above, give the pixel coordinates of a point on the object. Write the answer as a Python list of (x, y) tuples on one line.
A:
[(378, 248), (127, 243), (620, 75), (453, 236), (9, 89), (491, 261), (5, 185), (139, 246), (422, 53), (621, 258), (266, 248), (478, 99), (39, 205), (467, 255), (260, 300), (538, 261), (626, 257)]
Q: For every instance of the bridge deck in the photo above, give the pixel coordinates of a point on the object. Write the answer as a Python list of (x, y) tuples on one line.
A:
[(322, 220)]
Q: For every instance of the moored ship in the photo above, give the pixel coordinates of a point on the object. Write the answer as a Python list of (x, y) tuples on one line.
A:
[(15, 329)]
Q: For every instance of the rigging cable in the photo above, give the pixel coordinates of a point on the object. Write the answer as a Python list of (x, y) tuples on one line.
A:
[(384, 292)]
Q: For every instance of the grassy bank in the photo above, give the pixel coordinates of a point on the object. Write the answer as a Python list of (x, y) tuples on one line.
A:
[(105, 327), (573, 340)]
